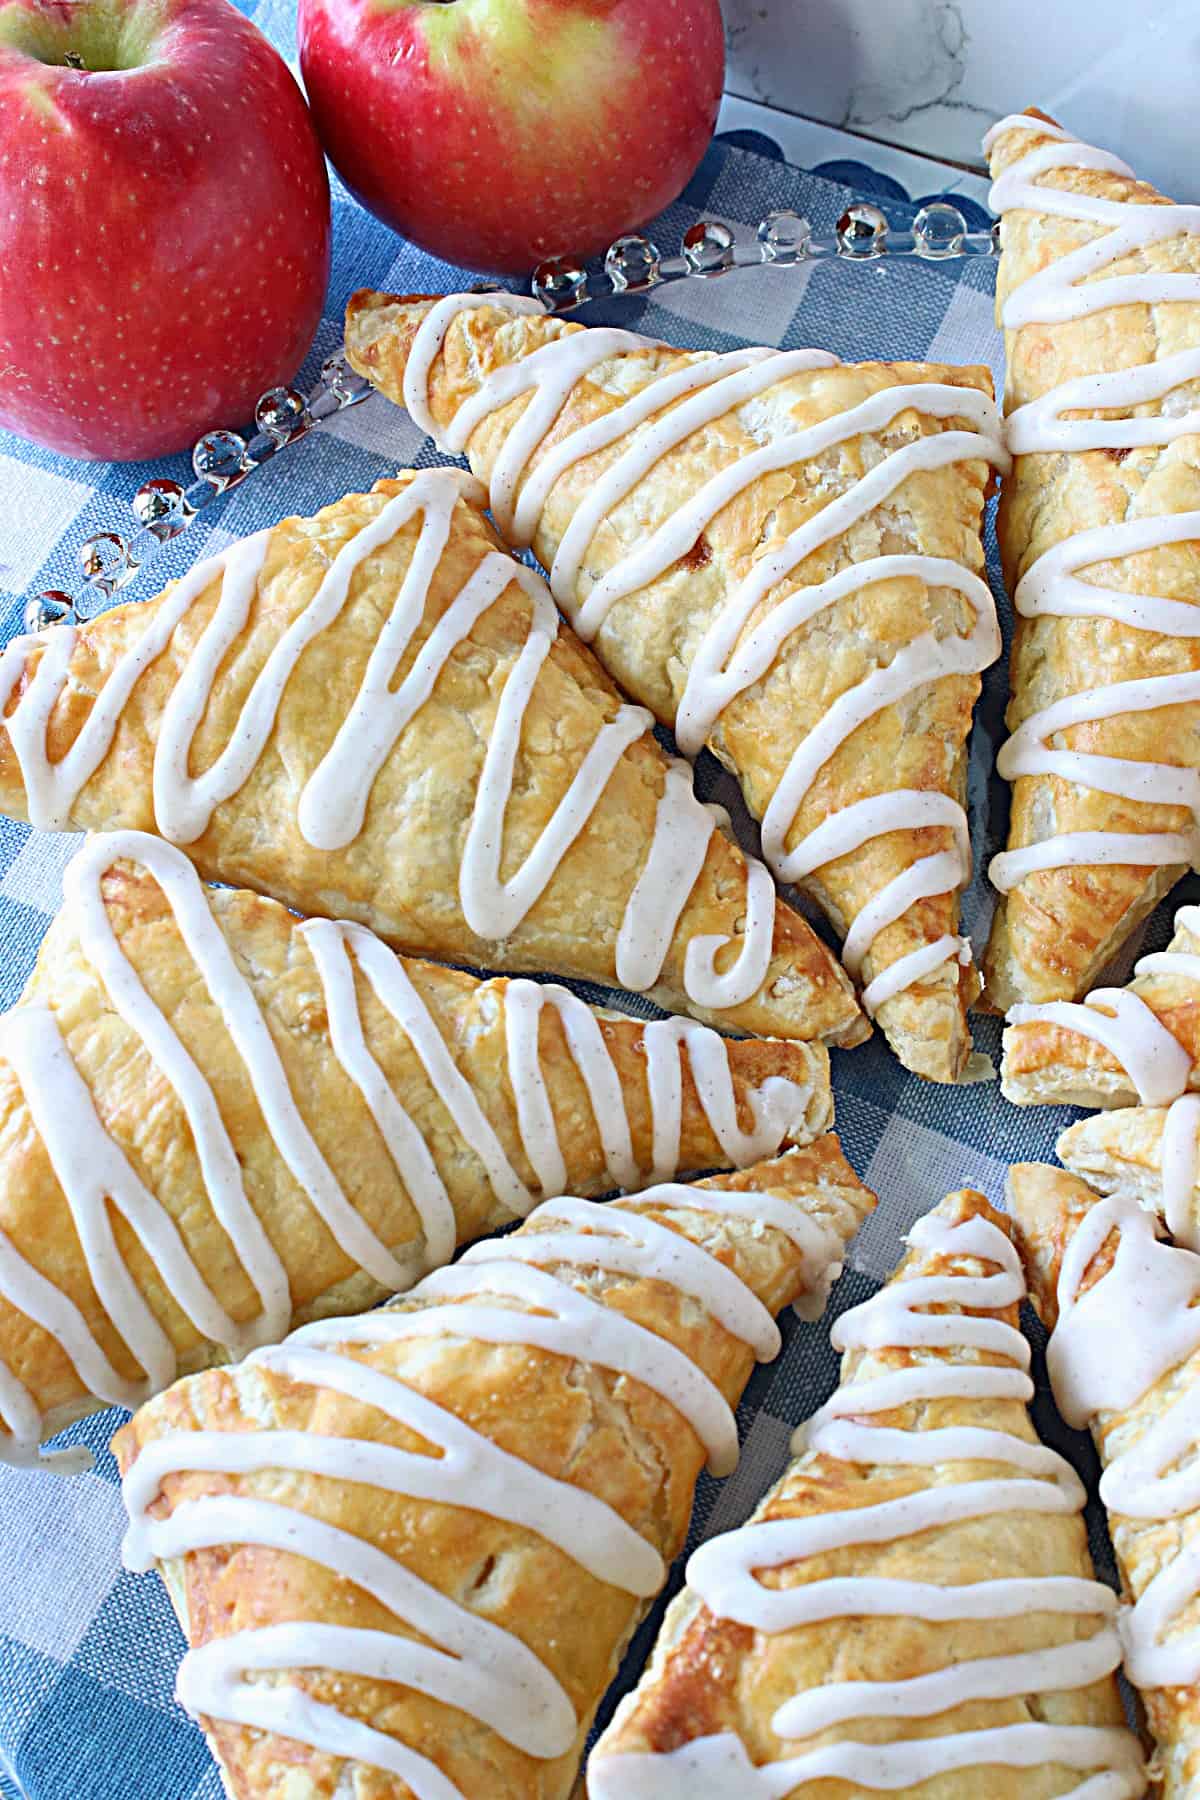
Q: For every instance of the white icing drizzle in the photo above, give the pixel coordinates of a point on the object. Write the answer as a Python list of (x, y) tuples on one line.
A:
[(1179, 1162), (1074, 849), (91, 1168), (334, 800), (466, 1661), (22, 1422), (626, 1243), (778, 1107), (723, 1572), (1142, 1317), (95, 1175), (335, 949), (1157, 1064), (1062, 291), (819, 1245), (1021, 122), (717, 1767), (243, 1019), (430, 339), (682, 829), (657, 420)]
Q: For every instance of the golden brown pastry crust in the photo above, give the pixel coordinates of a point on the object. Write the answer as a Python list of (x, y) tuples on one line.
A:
[(1048, 1206), (1120, 1152), (1048, 1063), (709, 1675), (143, 1114), (649, 639), (607, 1434), (1056, 930), (400, 875)]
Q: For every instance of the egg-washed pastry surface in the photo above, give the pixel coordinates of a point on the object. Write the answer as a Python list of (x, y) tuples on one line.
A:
[(216, 1120), (781, 557), (1140, 1042), (374, 714), (408, 1551), (1098, 291), (912, 1607), (1124, 1360), (1134, 1051)]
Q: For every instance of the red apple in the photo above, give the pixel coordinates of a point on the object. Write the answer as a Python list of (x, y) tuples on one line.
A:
[(499, 132), (164, 222)]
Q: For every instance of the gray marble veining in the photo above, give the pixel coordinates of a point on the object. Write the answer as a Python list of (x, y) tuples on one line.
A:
[(933, 74)]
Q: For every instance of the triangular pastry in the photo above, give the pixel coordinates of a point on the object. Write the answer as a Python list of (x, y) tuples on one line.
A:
[(1099, 524), (911, 1607), (408, 1551), (1119, 1045), (1150, 1154), (1124, 1359), (374, 715), (216, 1120), (780, 556)]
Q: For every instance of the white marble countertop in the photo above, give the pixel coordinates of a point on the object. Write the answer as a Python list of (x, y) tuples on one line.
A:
[(932, 75)]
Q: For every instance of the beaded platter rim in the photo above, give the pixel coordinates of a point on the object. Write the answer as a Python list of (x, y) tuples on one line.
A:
[(633, 266)]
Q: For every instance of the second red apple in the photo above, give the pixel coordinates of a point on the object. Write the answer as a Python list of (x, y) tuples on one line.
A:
[(500, 132)]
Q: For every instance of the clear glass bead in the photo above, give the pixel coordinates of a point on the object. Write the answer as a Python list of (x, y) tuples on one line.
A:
[(343, 382), (104, 559), (861, 231), (220, 458), (161, 507), (784, 237), (560, 283), (708, 247), (632, 263), (51, 608), (280, 412), (938, 230)]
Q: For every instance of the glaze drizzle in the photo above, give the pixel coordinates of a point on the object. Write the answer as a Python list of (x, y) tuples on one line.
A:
[(724, 1572), (731, 659), (472, 1664), (94, 1173), (1051, 587), (1141, 1316), (1158, 1066), (334, 799)]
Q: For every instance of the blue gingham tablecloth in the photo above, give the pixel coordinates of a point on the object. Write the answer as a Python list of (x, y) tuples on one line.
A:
[(88, 1653)]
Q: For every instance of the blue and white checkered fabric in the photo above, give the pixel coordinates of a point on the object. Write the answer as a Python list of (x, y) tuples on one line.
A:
[(88, 1653)]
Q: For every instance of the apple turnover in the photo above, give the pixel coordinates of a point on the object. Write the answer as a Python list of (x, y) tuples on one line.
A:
[(1119, 1045), (408, 1551), (216, 1120), (1099, 295), (780, 556), (1124, 1359), (912, 1607), (374, 715)]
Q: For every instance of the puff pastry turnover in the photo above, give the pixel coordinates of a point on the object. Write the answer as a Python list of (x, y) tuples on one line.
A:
[(1120, 1045), (374, 715), (1124, 1358), (780, 556), (216, 1120), (911, 1609), (408, 1551), (1099, 293)]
